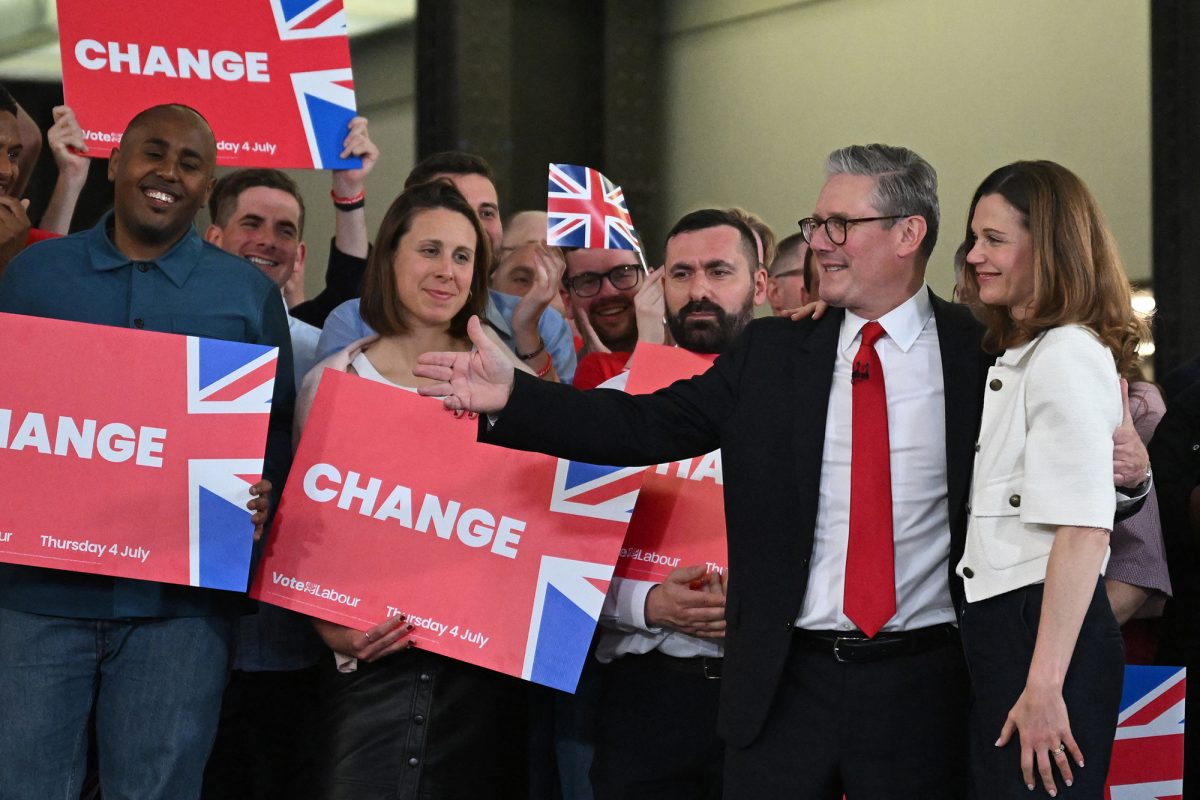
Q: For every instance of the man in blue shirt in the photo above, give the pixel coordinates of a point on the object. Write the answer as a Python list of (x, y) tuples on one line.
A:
[(149, 660)]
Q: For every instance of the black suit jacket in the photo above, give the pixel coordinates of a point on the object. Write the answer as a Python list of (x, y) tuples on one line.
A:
[(764, 404)]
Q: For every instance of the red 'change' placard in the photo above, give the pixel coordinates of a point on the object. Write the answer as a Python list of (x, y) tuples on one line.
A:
[(500, 558), (272, 77), (113, 467), (679, 519)]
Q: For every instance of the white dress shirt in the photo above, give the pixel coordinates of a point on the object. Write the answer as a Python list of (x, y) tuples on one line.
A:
[(623, 618), (916, 406)]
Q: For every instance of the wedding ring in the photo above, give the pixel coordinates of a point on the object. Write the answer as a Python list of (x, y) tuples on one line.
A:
[(1062, 748)]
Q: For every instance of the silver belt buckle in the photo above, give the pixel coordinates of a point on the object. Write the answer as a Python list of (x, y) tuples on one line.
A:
[(706, 661), (838, 653)]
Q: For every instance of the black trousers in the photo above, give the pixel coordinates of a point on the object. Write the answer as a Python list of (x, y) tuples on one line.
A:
[(889, 729), (998, 638), (265, 743), (657, 737), (416, 725)]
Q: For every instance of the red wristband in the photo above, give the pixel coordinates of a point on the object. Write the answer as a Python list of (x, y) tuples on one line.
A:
[(349, 203)]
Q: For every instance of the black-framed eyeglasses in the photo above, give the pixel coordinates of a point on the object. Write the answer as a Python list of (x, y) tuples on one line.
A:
[(835, 227), (587, 284)]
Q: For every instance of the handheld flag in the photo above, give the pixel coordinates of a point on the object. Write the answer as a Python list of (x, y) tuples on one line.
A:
[(586, 209)]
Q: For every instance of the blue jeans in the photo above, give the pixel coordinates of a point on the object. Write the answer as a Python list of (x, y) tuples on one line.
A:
[(154, 684)]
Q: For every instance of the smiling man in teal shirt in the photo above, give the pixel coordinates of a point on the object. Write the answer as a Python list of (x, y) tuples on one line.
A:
[(149, 660)]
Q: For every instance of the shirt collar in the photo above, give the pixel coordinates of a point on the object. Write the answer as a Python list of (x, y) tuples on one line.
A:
[(177, 263), (903, 324)]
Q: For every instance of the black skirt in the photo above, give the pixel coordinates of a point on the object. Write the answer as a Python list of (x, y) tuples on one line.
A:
[(419, 725)]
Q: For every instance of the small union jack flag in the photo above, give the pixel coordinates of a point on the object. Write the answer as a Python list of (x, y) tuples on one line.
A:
[(587, 210), (1147, 757)]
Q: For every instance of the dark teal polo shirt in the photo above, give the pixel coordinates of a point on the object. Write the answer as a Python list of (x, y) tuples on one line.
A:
[(194, 289)]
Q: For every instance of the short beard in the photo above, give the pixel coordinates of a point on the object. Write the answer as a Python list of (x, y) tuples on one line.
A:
[(706, 336)]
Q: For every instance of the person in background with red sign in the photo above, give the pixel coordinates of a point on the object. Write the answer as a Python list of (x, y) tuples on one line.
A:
[(658, 720), (401, 722), (148, 661)]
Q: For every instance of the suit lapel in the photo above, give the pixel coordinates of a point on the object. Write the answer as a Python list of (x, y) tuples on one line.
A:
[(958, 341), (813, 375)]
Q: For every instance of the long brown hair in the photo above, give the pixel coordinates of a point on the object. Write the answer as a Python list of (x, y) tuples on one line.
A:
[(1078, 277), (380, 304)]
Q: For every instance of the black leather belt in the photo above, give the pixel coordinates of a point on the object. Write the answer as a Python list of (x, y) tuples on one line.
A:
[(700, 666), (855, 647)]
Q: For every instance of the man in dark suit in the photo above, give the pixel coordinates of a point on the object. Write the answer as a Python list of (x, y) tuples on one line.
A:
[(812, 712), (836, 680)]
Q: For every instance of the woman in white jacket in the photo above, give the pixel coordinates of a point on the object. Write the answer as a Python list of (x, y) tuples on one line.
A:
[(1043, 649)]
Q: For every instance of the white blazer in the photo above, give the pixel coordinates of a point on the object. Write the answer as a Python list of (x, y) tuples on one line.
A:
[(1043, 459)]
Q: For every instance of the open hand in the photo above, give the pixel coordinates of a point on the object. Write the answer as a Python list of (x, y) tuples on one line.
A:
[(478, 381)]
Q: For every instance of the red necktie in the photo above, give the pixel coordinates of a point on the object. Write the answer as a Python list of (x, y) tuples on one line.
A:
[(870, 591)]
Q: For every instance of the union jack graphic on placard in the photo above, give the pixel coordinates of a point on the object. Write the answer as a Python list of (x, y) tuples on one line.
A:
[(305, 19), (326, 102), (566, 609), (236, 380), (599, 492), (586, 209), (1147, 758), (229, 377)]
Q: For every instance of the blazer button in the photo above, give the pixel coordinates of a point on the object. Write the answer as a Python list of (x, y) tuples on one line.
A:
[(968, 572), (1015, 501), (995, 384), (977, 447)]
